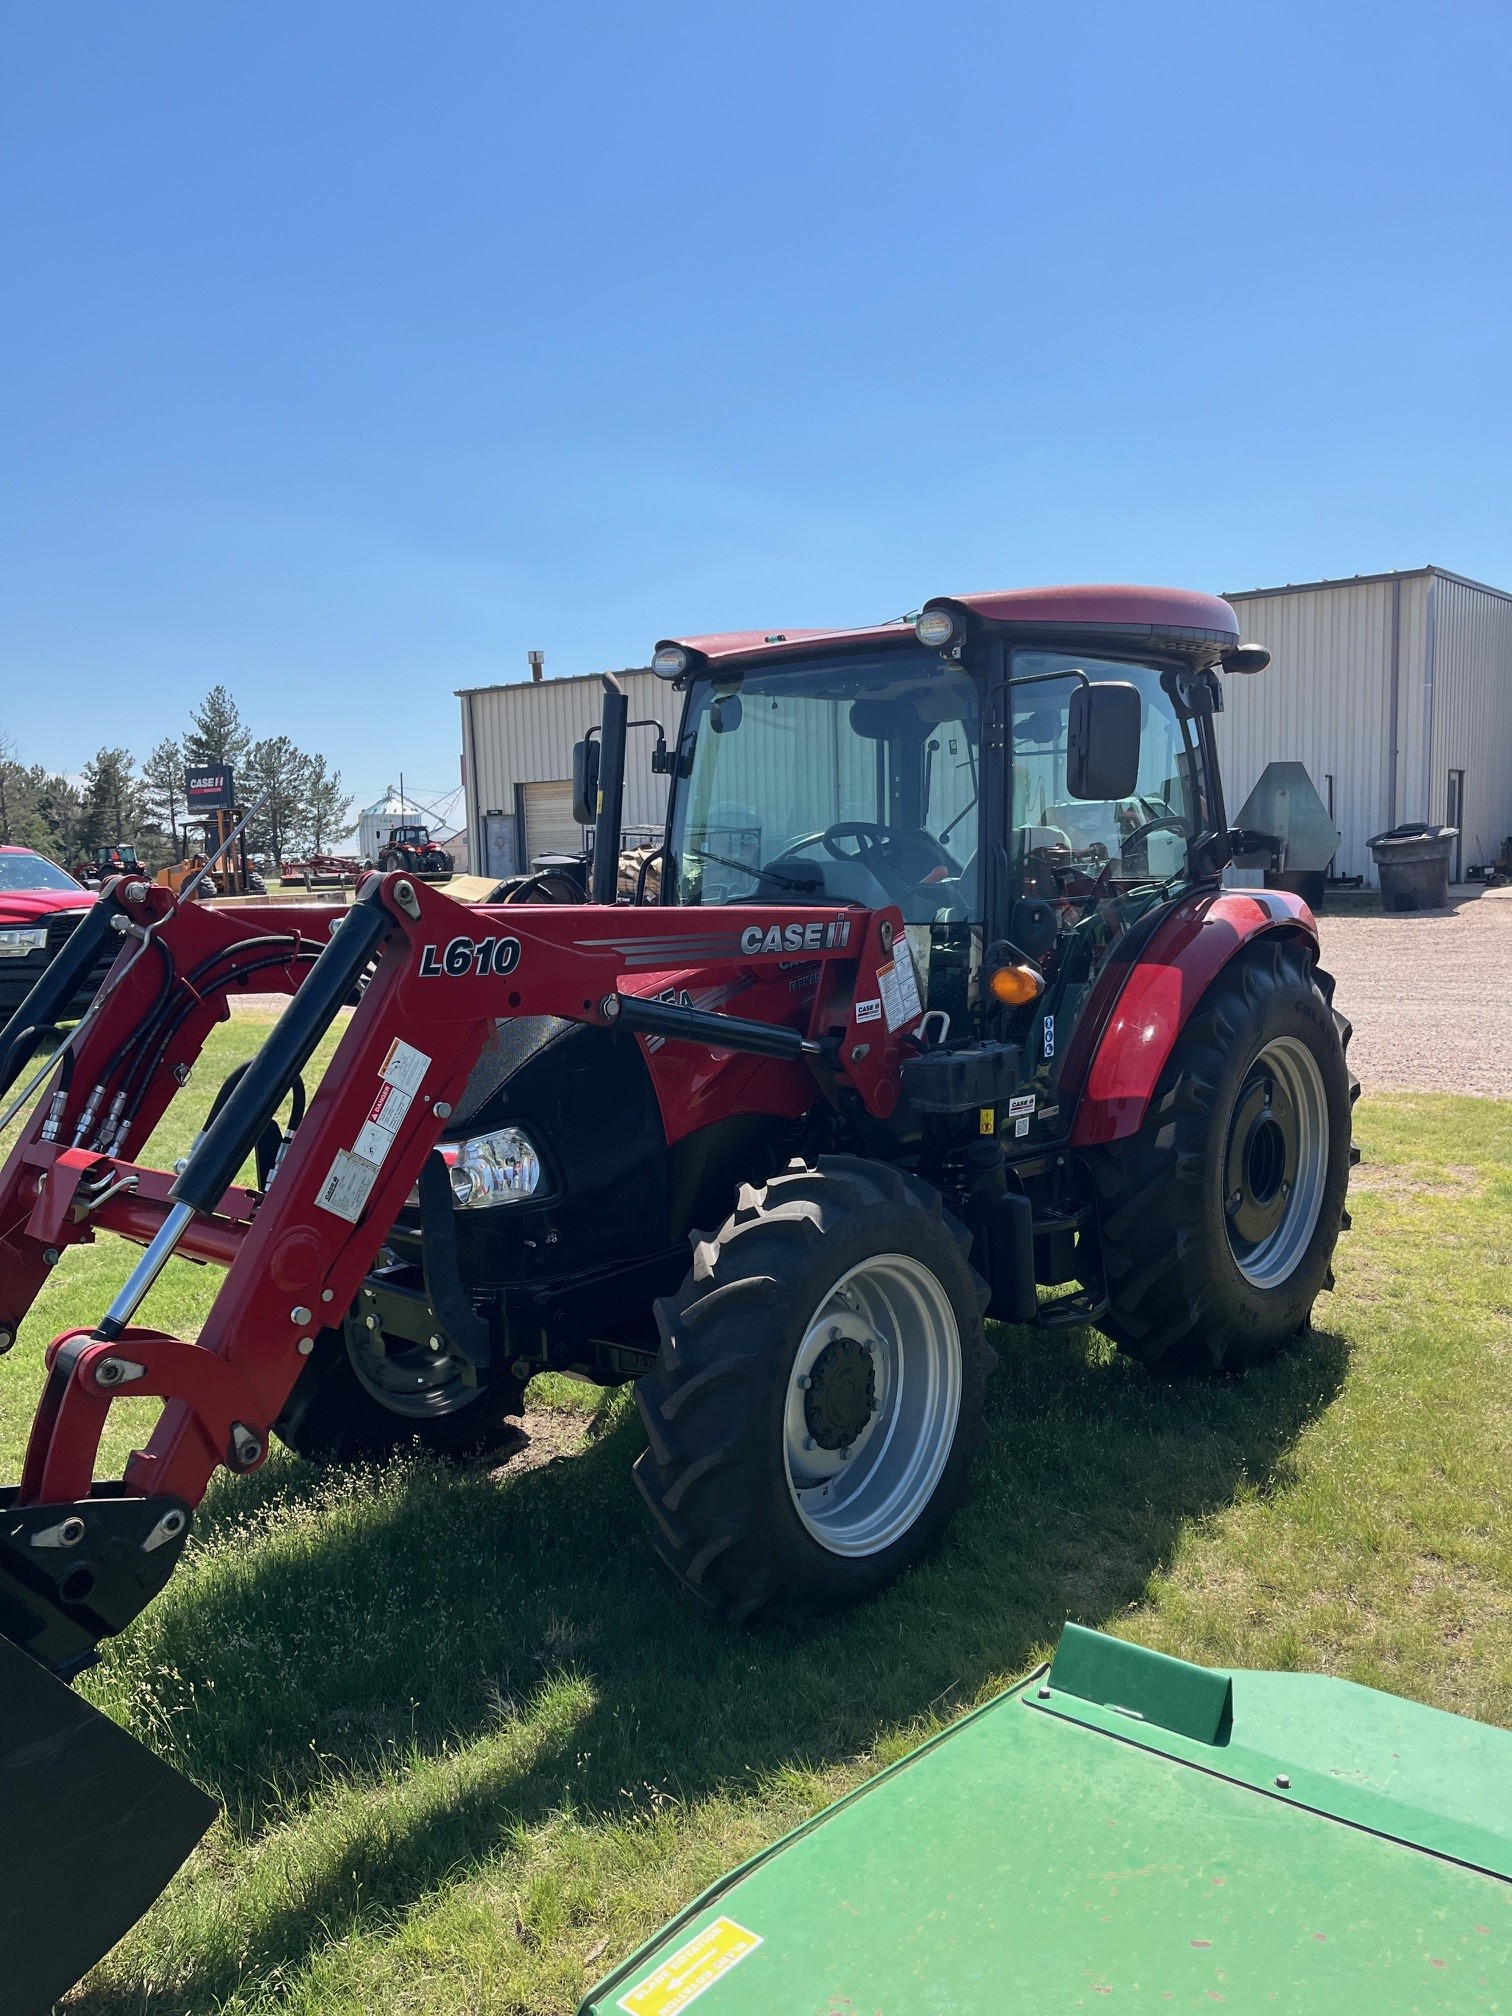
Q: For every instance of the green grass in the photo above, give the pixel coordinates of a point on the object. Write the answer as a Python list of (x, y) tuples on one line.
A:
[(472, 1744)]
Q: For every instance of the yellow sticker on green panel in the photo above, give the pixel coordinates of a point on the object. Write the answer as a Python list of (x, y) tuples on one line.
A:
[(691, 1969)]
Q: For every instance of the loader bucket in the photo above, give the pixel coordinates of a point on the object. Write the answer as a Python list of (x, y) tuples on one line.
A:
[(91, 1827), (1128, 1826)]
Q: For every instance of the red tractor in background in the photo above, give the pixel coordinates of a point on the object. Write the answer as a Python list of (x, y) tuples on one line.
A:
[(411, 848), (942, 1000)]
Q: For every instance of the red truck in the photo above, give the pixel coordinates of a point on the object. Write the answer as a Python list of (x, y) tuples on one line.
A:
[(39, 907)]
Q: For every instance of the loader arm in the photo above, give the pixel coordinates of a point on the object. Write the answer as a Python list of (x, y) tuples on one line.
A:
[(80, 1558)]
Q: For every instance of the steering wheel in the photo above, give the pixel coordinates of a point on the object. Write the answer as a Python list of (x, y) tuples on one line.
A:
[(1169, 824), (877, 848)]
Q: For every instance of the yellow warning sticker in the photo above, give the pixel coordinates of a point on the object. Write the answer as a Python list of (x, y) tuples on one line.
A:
[(694, 1967)]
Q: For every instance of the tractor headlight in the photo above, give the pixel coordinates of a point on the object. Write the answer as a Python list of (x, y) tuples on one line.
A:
[(670, 661), (497, 1168), (15, 944)]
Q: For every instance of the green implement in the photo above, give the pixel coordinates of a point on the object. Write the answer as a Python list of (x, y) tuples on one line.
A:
[(1126, 1830)]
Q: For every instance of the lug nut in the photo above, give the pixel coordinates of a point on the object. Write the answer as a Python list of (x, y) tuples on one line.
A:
[(804, 1382), (7, 1338), (808, 1441)]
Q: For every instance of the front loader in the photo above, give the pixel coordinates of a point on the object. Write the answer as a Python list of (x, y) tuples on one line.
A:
[(942, 999)]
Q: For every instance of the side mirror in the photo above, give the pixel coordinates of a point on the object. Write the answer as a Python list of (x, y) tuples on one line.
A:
[(585, 782), (1102, 741)]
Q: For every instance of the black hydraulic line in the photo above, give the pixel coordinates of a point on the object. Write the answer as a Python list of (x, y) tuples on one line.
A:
[(611, 793), (142, 1073), (56, 987), (213, 1164), (716, 1032)]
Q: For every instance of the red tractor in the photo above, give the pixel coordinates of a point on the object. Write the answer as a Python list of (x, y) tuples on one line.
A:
[(411, 848), (942, 1001)]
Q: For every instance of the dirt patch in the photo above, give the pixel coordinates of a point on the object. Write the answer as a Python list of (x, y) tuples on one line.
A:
[(548, 1437)]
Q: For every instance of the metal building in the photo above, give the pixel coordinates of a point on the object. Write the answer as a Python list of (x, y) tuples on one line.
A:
[(1395, 690), (517, 762)]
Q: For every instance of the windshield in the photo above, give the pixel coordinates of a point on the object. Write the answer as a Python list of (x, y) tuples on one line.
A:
[(851, 780), (30, 871)]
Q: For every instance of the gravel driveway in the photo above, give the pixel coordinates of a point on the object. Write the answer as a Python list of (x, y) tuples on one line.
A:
[(1429, 994)]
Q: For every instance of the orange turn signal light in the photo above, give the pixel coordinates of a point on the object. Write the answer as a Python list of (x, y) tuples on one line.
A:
[(1016, 986)]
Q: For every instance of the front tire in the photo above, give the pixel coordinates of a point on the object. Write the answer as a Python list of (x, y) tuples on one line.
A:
[(1218, 1219), (818, 1394), (353, 1403)]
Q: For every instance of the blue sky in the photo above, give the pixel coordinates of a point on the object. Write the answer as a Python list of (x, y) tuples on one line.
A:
[(347, 351)]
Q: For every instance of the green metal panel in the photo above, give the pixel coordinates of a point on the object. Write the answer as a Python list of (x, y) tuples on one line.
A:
[(1051, 1853)]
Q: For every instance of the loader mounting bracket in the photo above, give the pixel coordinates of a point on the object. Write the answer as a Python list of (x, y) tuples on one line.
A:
[(72, 1574)]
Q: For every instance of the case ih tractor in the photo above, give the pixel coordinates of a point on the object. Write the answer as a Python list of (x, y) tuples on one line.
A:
[(412, 849), (943, 1000)]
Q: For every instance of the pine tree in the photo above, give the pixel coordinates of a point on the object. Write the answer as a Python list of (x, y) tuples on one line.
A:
[(329, 808), (279, 771), (112, 809), (163, 789), (217, 733)]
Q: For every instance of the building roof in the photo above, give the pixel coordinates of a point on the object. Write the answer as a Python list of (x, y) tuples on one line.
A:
[(1367, 581)]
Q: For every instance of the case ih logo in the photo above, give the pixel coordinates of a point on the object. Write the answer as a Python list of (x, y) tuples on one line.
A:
[(212, 789), (795, 937)]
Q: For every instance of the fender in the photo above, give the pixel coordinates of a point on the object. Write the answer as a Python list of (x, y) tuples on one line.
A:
[(1161, 988)]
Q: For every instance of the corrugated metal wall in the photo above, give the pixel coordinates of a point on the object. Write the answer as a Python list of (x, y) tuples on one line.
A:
[(1324, 702), (523, 734), (1472, 712), (1327, 702)]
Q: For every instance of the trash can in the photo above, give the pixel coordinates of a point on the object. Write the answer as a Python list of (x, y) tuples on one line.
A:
[(1414, 866)]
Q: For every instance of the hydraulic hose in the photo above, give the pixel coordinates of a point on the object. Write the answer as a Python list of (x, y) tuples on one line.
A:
[(213, 1164), (162, 1025)]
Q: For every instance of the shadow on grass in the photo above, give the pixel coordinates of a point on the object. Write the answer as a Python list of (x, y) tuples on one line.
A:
[(421, 1610)]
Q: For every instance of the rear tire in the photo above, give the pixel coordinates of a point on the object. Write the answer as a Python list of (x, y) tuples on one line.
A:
[(1218, 1219), (818, 1393)]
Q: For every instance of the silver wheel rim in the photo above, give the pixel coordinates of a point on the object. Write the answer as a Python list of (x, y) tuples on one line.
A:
[(858, 1499), (406, 1378), (1276, 1162)]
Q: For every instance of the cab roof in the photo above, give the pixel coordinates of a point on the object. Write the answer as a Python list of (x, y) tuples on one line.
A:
[(1180, 618)]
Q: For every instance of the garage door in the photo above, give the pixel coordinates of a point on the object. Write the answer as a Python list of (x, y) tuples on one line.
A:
[(549, 825)]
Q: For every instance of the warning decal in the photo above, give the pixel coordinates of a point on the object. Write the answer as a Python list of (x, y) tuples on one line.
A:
[(694, 1967), (898, 985), (404, 1067), (347, 1188), (382, 1123)]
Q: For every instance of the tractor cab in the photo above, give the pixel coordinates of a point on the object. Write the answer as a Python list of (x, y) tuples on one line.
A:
[(1027, 784), (409, 836)]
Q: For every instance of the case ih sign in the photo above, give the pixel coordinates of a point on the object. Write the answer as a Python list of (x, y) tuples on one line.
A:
[(211, 789)]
